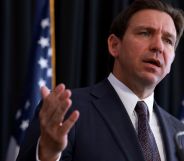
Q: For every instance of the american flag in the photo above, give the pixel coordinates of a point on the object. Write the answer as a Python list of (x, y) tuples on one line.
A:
[(39, 74)]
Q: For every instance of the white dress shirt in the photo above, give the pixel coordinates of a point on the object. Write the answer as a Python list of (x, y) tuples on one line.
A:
[(129, 100), (37, 151)]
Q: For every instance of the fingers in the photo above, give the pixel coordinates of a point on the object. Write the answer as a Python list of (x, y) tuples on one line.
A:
[(59, 113), (58, 90), (68, 124), (55, 105)]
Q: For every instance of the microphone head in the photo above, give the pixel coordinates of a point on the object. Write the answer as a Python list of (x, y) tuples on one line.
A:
[(179, 140)]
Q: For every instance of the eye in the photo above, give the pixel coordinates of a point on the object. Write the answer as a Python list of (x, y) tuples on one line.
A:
[(144, 33), (169, 41)]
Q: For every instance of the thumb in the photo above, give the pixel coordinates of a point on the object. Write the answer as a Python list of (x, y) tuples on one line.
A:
[(44, 91)]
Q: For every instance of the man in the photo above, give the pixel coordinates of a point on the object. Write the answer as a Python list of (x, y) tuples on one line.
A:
[(142, 41)]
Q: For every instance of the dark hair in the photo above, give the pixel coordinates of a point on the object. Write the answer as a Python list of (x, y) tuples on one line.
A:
[(121, 22)]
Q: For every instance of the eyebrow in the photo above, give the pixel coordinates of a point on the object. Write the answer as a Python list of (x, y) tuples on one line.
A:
[(168, 34)]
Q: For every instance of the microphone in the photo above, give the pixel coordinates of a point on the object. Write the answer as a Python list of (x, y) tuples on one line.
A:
[(180, 144)]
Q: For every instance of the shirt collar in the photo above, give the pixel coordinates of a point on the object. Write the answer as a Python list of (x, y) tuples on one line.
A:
[(128, 98)]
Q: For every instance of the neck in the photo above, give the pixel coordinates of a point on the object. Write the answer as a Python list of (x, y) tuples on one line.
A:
[(140, 89)]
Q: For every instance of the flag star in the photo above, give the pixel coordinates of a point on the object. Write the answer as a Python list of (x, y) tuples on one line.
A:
[(24, 125), (49, 52), (44, 42), (18, 114), (43, 63), (45, 23), (27, 105), (41, 83), (49, 72)]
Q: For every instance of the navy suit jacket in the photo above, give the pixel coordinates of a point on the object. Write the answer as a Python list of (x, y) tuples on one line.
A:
[(104, 131)]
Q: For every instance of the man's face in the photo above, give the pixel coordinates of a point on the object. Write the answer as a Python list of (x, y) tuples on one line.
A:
[(147, 49)]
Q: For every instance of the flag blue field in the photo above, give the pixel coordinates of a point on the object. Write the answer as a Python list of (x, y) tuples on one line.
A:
[(39, 74)]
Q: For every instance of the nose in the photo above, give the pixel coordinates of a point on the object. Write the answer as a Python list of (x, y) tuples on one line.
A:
[(156, 45)]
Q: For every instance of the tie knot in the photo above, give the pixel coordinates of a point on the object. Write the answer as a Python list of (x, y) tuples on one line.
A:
[(141, 109)]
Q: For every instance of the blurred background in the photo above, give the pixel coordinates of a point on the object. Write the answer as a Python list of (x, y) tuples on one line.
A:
[(81, 28)]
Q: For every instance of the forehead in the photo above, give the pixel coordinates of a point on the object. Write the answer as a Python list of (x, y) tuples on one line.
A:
[(155, 19)]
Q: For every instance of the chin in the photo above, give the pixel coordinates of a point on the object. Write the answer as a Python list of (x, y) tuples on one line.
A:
[(150, 81)]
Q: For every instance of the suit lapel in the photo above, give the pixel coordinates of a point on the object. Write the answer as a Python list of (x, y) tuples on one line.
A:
[(168, 133), (114, 114)]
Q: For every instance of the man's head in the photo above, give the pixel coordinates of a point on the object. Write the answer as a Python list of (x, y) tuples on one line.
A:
[(143, 44)]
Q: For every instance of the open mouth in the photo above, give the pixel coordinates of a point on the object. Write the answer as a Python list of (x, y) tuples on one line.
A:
[(154, 62)]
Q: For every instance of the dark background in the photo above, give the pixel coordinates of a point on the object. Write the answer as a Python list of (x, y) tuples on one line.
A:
[(81, 52)]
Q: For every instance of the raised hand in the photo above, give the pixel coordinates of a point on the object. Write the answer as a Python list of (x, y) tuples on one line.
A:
[(54, 132)]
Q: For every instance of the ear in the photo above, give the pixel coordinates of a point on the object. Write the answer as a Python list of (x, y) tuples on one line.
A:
[(114, 45)]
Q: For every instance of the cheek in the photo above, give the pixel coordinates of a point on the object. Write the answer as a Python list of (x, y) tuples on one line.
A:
[(168, 62), (132, 48)]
